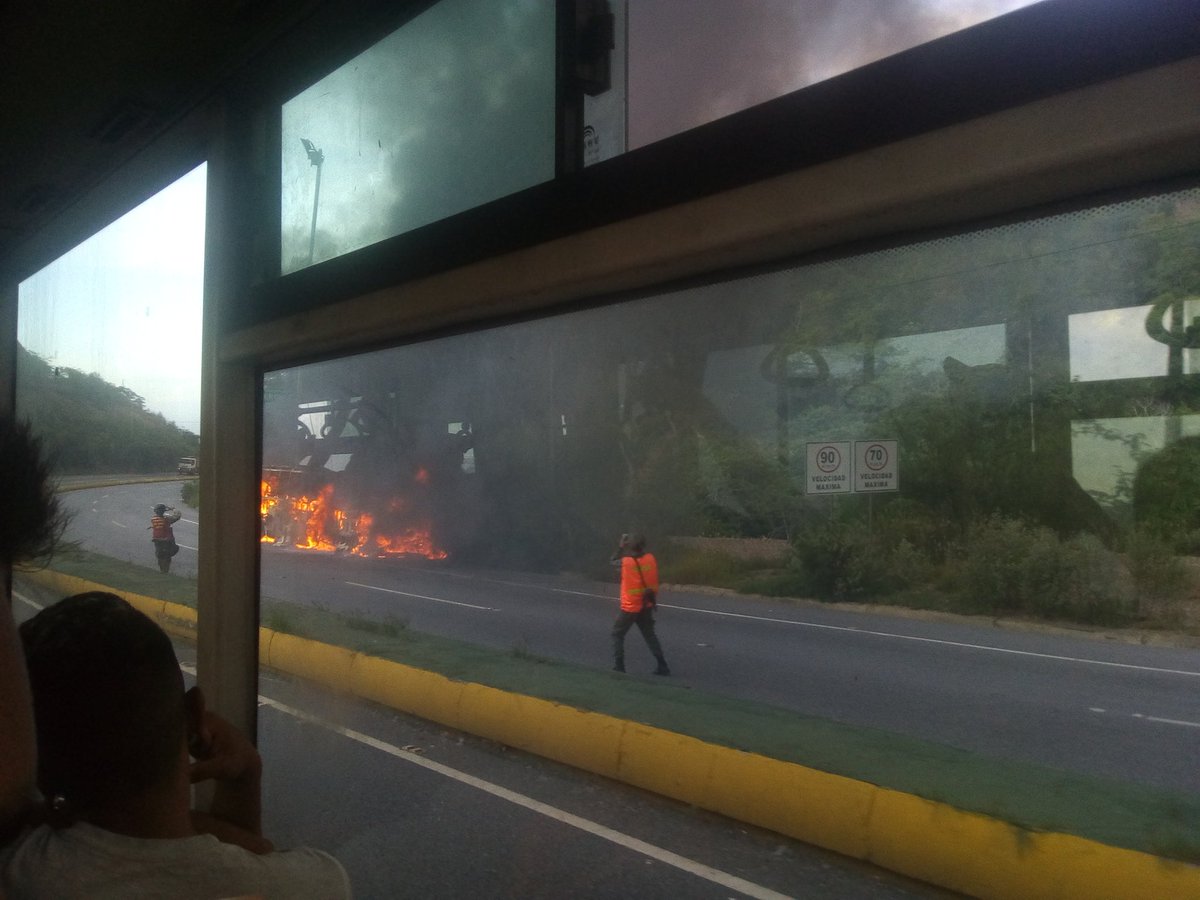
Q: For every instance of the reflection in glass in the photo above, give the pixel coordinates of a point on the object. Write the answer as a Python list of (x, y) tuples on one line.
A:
[(453, 110), (691, 63), (1108, 453), (1121, 343)]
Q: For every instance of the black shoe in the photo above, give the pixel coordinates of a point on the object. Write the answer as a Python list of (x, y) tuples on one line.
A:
[(662, 669)]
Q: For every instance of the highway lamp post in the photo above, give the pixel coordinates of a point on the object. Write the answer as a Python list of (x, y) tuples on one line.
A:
[(317, 158)]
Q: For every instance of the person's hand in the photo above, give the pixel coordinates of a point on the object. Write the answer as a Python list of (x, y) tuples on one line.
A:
[(225, 756), (222, 753)]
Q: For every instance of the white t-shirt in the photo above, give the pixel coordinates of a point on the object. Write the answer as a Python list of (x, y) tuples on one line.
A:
[(85, 861)]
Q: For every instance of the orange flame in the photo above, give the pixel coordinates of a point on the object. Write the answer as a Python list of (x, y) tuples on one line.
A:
[(316, 523)]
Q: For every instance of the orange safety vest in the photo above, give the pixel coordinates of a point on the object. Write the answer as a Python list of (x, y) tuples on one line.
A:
[(160, 529), (633, 585)]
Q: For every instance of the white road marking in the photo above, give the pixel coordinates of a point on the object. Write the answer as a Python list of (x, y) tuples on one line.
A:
[(945, 643), (25, 599), (1162, 721), (1097, 709), (190, 521), (118, 524), (371, 587), (186, 547), (716, 876)]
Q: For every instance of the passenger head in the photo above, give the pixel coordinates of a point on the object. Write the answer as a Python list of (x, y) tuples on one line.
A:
[(108, 701), (33, 521), (634, 543)]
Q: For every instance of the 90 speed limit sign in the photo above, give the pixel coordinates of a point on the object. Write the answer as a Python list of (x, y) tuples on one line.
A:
[(828, 468)]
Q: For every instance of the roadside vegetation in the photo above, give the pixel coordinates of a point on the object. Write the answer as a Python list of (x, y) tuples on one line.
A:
[(999, 567), (189, 492), (90, 426)]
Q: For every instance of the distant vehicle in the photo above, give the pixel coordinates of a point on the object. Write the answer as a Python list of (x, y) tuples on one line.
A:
[(187, 466)]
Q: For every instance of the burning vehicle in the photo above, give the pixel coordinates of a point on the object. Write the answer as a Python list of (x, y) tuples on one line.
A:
[(362, 488), (307, 519)]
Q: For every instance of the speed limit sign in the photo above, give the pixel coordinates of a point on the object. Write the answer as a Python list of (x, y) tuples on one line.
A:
[(876, 467), (828, 469)]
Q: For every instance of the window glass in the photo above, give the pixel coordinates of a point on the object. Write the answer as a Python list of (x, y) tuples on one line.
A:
[(470, 489), (454, 109), (692, 63), (108, 374)]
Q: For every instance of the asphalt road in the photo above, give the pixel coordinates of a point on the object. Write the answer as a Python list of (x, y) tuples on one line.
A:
[(1099, 707)]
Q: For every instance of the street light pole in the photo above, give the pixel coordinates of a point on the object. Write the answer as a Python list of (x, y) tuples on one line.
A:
[(317, 158)]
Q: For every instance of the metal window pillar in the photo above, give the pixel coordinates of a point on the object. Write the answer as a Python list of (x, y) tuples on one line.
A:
[(227, 594)]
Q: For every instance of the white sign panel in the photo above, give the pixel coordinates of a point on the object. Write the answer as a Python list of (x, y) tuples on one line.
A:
[(876, 466), (828, 468)]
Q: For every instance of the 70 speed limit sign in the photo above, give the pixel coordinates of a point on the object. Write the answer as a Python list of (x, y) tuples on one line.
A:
[(876, 467)]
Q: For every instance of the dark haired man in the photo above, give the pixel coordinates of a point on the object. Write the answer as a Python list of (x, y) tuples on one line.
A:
[(639, 586), (115, 730), (31, 523)]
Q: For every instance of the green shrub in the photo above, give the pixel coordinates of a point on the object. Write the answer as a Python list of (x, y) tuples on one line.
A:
[(996, 562), (691, 566), (907, 522), (1086, 584), (1159, 577), (1010, 566), (189, 492), (785, 582), (840, 560)]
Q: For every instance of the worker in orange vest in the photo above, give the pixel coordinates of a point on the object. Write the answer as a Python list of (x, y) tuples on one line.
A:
[(639, 597), (163, 535)]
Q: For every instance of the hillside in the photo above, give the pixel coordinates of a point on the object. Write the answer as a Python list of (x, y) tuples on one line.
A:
[(90, 425)]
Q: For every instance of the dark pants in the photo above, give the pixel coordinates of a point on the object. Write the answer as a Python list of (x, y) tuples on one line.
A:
[(163, 551), (645, 623)]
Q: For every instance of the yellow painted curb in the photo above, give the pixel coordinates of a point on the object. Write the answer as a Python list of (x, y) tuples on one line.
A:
[(928, 840), (428, 695), (816, 807), (987, 858), (173, 618)]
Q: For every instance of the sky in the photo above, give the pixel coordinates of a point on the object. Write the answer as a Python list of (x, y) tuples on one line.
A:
[(126, 304)]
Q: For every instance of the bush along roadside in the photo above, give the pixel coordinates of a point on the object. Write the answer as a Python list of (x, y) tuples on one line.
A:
[(189, 493), (1000, 566)]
